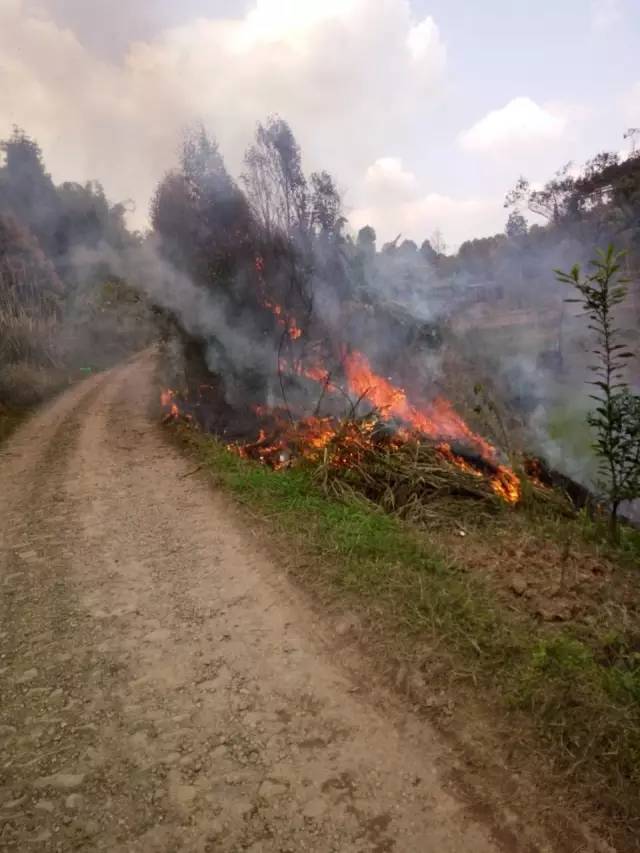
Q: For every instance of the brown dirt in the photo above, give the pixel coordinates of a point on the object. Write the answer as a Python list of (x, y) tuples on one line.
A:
[(163, 687), (569, 582)]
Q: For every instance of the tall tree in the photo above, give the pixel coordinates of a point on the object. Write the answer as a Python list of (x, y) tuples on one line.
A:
[(274, 181), (26, 189), (326, 205), (516, 225)]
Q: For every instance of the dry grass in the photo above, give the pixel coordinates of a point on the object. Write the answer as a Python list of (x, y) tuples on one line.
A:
[(424, 483), (29, 363), (24, 385), (27, 338), (28, 329)]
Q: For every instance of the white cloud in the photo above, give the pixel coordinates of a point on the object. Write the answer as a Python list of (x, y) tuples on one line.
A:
[(394, 202), (520, 123), (605, 15), (347, 74), (387, 180), (284, 19), (456, 218), (425, 45)]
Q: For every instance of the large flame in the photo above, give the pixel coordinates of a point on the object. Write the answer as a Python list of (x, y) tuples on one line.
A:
[(436, 420)]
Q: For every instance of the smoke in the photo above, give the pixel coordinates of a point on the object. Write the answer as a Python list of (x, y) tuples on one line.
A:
[(62, 82), (235, 343)]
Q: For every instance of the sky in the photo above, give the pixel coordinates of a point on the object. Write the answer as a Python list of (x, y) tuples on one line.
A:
[(425, 111)]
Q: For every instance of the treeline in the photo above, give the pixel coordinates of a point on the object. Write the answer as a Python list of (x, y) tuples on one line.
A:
[(577, 209), (59, 297), (274, 253)]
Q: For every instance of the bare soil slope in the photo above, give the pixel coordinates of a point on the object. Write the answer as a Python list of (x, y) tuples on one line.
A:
[(162, 686)]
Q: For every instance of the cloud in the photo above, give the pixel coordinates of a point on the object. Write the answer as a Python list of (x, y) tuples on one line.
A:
[(347, 74), (425, 46), (520, 123), (605, 15), (394, 202), (387, 180)]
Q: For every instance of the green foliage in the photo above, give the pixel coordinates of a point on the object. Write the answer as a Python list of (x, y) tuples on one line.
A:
[(616, 416)]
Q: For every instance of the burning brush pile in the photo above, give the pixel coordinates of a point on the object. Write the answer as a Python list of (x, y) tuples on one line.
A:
[(324, 406), (399, 456)]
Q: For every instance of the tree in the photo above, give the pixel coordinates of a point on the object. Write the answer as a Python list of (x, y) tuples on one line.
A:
[(554, 201), (408, 248), (438, 242), (202, 216), (366, 241), (516, 225), (616, 417), (428, 252), (274, 181), (326, 205), (220, 209), (26, 189)]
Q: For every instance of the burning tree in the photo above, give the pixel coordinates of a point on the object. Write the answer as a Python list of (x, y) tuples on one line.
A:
[(616, 417)]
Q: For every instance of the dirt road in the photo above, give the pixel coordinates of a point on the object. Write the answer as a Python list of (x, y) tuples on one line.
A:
[(163, 688)]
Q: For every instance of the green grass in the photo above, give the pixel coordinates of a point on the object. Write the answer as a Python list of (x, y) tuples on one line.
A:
[(581, 690)]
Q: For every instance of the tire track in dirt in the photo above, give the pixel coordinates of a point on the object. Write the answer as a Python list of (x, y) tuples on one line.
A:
[(162, 688)]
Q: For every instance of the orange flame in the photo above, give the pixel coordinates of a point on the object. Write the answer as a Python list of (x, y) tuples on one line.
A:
[(287, 321), (506, 484), (436, 420), (167, 401)]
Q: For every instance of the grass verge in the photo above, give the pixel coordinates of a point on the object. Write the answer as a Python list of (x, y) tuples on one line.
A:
[(579, 689)]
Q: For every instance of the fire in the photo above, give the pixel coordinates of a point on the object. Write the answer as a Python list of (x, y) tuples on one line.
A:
[(317, 373), (304, 438), (447, 452), (282, 439), (287, 321), (506, 484), (168, 403), (436, 420)]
